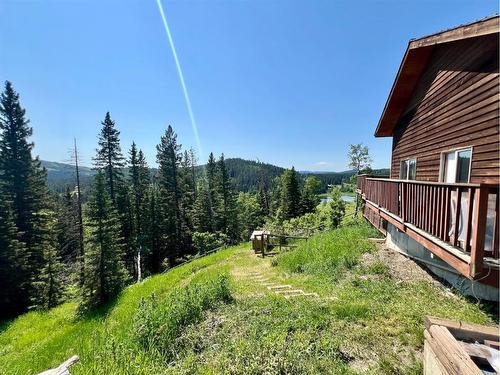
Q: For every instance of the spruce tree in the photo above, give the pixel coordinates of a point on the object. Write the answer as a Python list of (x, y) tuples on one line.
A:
[(290, 194), (24, 188), (202, 212), (11, 258), (213, 198), (309, 198), (109, 159), (67, 228), (154, 238), (109, 156), (139, 184), (105, 272), (227, 215), (173, 224), (48, 284), (188, 190), (264, 197)]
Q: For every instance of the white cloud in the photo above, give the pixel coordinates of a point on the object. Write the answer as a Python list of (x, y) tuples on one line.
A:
[(322, 163)]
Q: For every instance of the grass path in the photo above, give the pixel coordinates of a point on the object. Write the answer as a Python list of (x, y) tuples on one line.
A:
[(358, 317)]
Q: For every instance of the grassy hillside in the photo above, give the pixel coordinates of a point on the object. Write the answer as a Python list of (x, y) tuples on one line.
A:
[(215, 316)]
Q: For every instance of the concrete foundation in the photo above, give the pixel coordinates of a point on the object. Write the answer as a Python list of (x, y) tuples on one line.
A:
[(401, 242)]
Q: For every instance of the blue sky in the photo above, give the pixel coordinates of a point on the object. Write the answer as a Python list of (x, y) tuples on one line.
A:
[(285, 82)]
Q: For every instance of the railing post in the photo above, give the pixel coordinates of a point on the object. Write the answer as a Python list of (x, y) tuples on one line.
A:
[(478, 231)]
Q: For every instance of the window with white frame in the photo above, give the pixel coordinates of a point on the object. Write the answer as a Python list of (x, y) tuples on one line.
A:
[(408, 169), (455, 165)]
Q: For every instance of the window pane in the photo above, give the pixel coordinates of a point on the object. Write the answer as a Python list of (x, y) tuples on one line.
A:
[(450, 165), (403, 170), (463, 166), (412, 169)]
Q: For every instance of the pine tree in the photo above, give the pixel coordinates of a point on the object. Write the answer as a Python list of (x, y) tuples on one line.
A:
[(213, 198), (48, 283), (67, 228), (309, 198), (227, 215), (105, 272), (81, 253), (139, 184), (188, 189), (109, 156), (110, 161), (11, 253), (202, 212), (24, 187), (290, 194), (193, 160), (173, 223), (154, 238), (264, 197)]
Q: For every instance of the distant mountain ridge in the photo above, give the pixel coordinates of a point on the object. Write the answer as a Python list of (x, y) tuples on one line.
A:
[(246, 174)]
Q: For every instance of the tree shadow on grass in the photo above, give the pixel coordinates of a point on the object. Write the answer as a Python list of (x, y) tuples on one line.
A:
[(98, 313), (5, 324)]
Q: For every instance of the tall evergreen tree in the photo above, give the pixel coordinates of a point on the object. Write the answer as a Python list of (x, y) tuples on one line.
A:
[(211, 174), (11, 258), (264, 197), (139, 184), (154, 238), (24, 187), (105, 272), (309, 198), (188, 189), (109, 159), (290, 194), (173, 222), (67, 228), (109, 156), (202, 212), (193, 160), (227, 215), (48, 283)]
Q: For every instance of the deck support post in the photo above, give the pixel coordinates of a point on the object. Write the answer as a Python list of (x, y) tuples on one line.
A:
[(478, 231)]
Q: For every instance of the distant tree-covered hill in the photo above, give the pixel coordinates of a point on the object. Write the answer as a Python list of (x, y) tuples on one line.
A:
[(245, 174), (62, 175)]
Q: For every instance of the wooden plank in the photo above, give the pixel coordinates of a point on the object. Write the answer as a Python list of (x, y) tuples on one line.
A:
[(458, 263), (465, 331), (475, 29), (450, 353)]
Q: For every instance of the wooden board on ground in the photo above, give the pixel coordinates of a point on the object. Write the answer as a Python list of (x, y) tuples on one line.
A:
[(454, 347)]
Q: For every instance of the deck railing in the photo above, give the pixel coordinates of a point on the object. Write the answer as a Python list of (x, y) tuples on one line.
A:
[(463, 215)]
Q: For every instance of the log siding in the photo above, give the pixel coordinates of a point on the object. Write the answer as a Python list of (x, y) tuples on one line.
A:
[(454, 105)]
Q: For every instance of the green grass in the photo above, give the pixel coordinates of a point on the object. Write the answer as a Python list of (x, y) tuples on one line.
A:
[(210, 317), (331, 253)]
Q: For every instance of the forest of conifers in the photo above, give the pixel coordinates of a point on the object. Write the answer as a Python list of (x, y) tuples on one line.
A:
[(132, 222)]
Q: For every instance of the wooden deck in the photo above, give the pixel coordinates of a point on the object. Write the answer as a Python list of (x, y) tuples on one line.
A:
[(456, 222)]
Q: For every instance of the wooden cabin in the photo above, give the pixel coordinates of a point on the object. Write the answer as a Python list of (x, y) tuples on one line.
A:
[(440, 204)]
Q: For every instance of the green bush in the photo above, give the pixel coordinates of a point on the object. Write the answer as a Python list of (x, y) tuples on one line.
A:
[(158, 323), (206, 241)]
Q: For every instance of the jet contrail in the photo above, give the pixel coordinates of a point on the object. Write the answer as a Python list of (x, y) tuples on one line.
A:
[(181, 77)]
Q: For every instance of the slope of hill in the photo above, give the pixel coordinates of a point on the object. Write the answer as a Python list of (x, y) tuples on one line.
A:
[(61, 175), (246, 174), (360, 317)]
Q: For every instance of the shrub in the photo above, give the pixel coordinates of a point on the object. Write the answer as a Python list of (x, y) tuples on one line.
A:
[(205, 241), (158, 323)]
